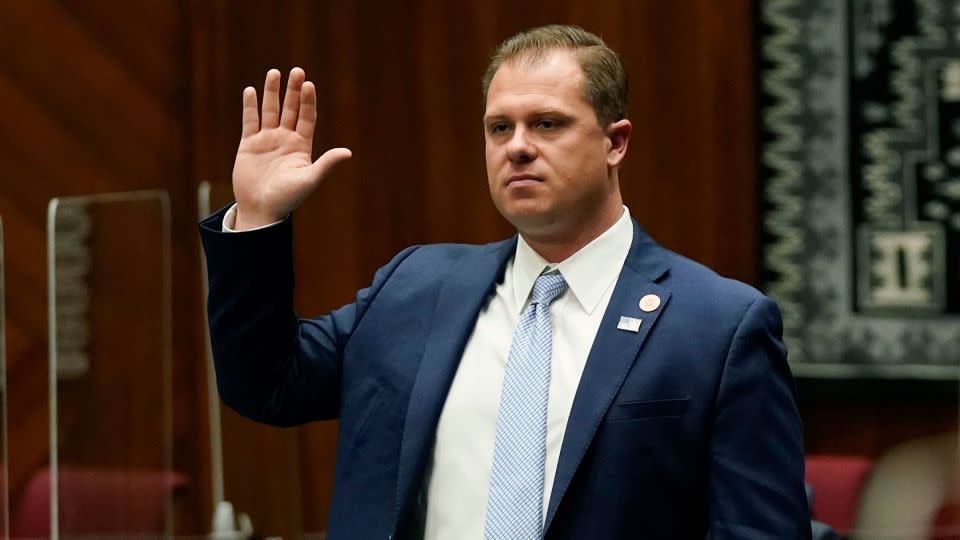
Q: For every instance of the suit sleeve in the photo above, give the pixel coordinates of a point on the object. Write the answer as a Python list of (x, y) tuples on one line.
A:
[(756, 446), (272, 366)]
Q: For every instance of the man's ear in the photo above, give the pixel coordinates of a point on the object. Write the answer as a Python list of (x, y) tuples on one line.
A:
[(618, 133)]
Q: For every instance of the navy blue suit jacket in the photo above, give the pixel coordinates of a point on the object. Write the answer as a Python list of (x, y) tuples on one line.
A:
[(685, 429)]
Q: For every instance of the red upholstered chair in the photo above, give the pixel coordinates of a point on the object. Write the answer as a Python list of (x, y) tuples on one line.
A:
[(946, 523), (912, 490), (837, 483), (97, 501)]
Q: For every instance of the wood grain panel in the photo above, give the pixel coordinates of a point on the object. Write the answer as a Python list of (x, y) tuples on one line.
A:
[(95, 99)]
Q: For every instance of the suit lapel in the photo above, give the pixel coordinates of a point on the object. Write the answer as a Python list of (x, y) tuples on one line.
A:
[(613, 354), (463, 294)]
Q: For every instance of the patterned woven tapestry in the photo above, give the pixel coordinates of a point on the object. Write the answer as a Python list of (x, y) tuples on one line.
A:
[(860, 168)]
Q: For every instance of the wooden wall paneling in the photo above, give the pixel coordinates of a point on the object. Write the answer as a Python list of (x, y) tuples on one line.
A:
[(451, 60), (691, 173), (94, 100), (206, 23), (262, 474), (231, 44), (850, 427), (331, 240)]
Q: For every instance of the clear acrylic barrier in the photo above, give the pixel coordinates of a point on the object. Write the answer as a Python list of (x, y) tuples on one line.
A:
[(110, 471), (245, 492), (4, 492)]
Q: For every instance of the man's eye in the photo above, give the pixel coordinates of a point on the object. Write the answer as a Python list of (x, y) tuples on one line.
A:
[(498, 128), (547, 124)]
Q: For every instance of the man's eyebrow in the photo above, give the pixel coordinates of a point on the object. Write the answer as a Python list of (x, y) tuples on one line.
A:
[(550, 112), (540, 113)]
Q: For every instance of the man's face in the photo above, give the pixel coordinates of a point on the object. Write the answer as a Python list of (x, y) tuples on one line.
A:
[(548, 158)]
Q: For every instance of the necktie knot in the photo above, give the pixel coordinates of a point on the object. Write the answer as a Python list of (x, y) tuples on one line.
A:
[(547, 288)]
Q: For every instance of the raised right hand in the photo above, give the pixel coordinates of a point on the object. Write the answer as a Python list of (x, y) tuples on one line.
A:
[(273, 172)]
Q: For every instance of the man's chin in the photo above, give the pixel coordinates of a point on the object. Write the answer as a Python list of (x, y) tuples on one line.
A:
[(529, 219)]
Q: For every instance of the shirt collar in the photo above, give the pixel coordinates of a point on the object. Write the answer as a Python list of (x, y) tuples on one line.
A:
[(589, 272)]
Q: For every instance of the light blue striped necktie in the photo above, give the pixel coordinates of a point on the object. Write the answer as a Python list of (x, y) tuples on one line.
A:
[(515, 499)]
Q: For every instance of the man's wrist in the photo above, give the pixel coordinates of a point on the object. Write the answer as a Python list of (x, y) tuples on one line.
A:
[(233, 223)]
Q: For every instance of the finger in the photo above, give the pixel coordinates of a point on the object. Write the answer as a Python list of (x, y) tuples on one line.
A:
[(271, 100), (325, 163), (307, 120), (291, 101), (251, 118)]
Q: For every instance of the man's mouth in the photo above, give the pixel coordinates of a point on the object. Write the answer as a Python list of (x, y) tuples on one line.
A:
[(521, 180)]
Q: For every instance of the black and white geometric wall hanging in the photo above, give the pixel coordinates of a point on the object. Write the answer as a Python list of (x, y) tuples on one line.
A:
[(860, 168)]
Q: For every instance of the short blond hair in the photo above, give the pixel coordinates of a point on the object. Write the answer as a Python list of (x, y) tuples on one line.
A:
[(605, 80)]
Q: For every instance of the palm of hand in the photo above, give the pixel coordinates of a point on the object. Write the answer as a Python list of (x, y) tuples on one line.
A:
[(273, 172)]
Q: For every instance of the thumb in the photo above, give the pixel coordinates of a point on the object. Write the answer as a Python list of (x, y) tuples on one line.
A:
[(326, 163)]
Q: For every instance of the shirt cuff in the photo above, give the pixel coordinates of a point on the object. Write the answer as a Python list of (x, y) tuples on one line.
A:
[(230, 221)]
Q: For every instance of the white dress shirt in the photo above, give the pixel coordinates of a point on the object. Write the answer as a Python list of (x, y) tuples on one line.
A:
[(459, 473), (230, 221)]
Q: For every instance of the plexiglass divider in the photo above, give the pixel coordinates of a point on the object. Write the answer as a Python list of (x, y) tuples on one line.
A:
[(110, 380), (246, 494), (4, 478)]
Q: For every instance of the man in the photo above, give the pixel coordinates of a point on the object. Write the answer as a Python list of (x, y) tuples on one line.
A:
[(575, 381)]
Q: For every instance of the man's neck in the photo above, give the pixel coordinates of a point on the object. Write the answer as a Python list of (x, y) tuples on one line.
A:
[(555, 248)]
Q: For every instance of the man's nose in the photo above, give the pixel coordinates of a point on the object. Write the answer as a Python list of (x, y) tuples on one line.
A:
[(520, 149)]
